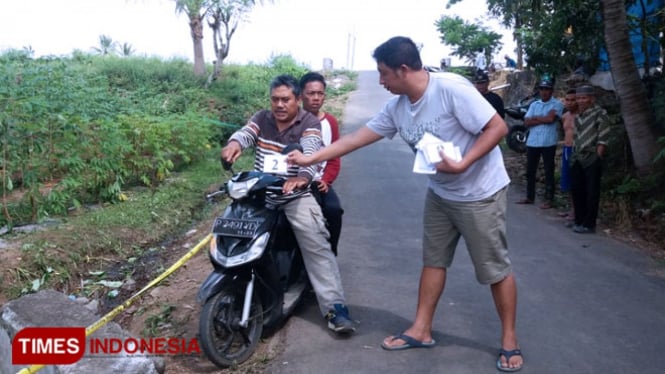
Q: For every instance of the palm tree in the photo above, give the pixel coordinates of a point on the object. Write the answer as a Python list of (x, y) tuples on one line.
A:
[(126, 50), (195, 11), (637, 115), (29, 51), (106, 45)]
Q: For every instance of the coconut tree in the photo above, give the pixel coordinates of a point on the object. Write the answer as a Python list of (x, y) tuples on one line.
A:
[(637, 115), (195, 11), (126, 50), (106, 45)]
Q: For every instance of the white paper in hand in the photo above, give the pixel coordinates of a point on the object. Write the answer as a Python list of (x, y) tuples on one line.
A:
[(421, 166), (427, 155)]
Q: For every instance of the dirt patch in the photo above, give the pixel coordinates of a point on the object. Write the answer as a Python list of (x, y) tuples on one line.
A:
[(171, 309)]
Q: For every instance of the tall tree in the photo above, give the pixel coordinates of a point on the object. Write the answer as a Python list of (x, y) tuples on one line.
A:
[(467, 38), (513, 14), (223, 18), (195, 11), (637, 115)]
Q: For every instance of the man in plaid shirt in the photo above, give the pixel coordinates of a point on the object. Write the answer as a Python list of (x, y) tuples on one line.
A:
[(592, 130)]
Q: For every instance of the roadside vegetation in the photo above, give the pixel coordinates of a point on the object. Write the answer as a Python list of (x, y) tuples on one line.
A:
[(110, 157), (111, 154)]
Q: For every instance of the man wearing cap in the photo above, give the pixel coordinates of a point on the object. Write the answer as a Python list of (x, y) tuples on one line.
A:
[(482, 81), (592, 130), (541, 119)]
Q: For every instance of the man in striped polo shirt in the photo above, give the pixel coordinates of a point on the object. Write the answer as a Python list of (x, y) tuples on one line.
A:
[(269, 132), (592, 130)]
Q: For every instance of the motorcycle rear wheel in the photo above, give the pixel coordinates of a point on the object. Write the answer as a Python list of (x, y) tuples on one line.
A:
[(516, 138), (223, 340)]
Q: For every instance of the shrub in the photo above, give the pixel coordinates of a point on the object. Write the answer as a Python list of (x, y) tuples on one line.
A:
[(80, 129)]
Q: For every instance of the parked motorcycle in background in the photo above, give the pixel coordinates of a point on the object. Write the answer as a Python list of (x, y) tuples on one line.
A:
[(259, 276), (518, 132)]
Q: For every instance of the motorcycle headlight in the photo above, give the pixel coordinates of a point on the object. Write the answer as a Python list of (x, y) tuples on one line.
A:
[(239, 190), (255, 251)]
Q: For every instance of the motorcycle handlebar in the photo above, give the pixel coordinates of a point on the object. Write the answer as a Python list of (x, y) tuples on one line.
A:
[(210, 196)]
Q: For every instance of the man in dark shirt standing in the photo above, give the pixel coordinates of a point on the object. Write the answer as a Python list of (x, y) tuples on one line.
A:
[(482, 82)]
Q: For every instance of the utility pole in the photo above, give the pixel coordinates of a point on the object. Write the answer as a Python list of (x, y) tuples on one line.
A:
[(350, 50), (353, 51)]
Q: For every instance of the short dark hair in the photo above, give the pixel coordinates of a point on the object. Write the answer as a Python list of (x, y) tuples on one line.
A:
[(572, 91), (397, 51), (312, 76), (286, 80)]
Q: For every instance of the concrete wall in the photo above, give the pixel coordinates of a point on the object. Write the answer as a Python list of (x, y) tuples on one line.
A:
[(49, 308)]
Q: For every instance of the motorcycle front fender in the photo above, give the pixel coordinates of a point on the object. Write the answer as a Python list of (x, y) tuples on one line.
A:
[(214, 283)]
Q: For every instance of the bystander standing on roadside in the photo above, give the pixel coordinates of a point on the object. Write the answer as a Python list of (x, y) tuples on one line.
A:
[(313, 87), (510, 63), (568, 124), (592, 130), (541, 119), (482, 81), (480, 62)]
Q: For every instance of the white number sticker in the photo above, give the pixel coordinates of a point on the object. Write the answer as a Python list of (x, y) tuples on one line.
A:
[(275, 164)]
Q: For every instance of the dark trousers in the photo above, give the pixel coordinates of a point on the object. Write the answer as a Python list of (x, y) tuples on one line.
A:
[(532, 160), (332, 211), (585, 188)]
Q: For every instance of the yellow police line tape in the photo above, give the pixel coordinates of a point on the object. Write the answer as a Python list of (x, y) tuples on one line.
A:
[(110, 315)]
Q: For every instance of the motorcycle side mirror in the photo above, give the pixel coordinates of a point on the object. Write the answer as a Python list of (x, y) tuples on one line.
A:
[(292, 147)]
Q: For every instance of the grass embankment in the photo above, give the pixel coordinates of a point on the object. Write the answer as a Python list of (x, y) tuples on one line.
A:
[(119, 154), (92, 251)]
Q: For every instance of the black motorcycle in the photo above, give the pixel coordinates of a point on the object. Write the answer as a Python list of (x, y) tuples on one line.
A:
[(518, 132), (259, 276)]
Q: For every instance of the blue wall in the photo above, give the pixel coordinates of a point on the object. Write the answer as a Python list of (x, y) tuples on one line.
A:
[(651, 6)]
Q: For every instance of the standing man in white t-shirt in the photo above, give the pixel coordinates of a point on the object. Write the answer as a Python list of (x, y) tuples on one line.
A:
[(465, 198), (313, 88), (481, 62)]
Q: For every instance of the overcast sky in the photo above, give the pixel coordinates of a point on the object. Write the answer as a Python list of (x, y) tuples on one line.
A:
[(346, 31)]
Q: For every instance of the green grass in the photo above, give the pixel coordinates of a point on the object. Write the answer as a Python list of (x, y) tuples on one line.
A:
[(156, 322), (121, 238), (96, 239)]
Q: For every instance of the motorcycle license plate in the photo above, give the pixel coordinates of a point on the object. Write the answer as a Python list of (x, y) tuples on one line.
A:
[(242, 228)]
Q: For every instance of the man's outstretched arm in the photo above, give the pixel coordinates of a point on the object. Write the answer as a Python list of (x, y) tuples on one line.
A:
[(346, 144)]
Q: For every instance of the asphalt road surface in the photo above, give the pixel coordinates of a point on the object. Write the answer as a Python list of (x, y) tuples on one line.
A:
[(586, 303)]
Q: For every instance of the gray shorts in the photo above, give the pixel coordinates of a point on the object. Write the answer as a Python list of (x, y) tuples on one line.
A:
[(481, 223)]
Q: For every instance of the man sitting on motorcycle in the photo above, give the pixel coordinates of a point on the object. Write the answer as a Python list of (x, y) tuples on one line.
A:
[(269, 132)]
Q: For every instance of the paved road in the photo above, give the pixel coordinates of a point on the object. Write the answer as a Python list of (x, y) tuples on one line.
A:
[(587, 304)]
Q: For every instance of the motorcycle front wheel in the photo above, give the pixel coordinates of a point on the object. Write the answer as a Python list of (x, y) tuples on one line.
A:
[(516, 138), (223, 340)]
